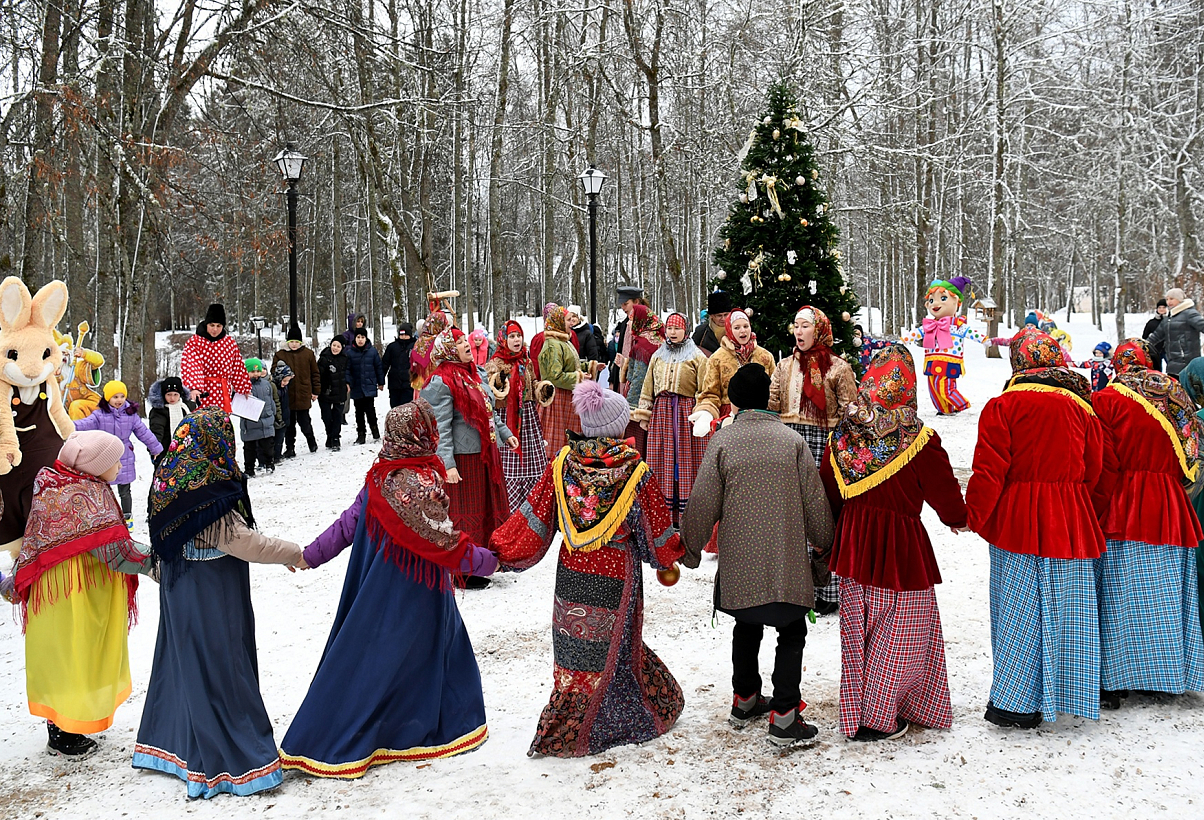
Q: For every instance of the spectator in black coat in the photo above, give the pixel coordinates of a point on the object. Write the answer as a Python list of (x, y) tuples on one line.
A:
[(1177, 337), (587, 343), (1151, 326), (397, 365), (165, 415), (710, 331), (366, 375), (332, 389)]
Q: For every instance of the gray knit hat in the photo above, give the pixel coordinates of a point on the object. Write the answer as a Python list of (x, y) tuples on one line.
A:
[(603, 413)]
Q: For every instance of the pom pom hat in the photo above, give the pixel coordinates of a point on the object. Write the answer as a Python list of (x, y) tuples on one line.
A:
[(91, 451), (603, 413)]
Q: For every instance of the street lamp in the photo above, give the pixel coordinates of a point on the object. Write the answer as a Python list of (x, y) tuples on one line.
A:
[(290, 163), (591, 180), (258, 322)]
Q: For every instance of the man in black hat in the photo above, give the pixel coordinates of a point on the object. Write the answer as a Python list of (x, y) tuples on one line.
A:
[(397, 365), (1160, 311), (625, 296), (708, 334)]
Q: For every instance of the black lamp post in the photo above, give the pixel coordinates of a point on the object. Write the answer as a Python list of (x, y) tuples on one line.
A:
[(290, 163), (591, 181)]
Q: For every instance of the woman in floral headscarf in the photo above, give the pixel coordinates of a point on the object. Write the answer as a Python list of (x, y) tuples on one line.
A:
[(398, 679), (420, 357), (560, 369), (470, 433), (1148, 591), (666, 401), (809, 390), (511, 376), (1038, 487), (204, 719), (883, 464)]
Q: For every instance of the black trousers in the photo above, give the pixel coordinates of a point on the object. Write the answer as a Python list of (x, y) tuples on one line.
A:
[(299, 418), (127, 500), (787, 666), (259, 451), (332, 419), (402, 395), (365, 410)]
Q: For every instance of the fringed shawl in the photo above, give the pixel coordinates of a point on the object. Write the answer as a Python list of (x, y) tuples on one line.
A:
[(595, 481)]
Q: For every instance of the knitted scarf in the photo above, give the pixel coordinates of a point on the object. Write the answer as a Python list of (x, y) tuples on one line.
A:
[(407, 509), (72, 513), (470, 396), (1038, 363), (880, 432), (196, 484), (742, 352), (1163, 398), (596, 480), (814, 362)]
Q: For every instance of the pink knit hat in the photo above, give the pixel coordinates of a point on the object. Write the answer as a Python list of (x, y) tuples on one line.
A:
[(602, 412), (91, 451)]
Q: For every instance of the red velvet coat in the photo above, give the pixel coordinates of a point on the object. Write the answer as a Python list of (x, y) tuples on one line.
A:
[(1148, 502), (880, 539), (1039, 483)]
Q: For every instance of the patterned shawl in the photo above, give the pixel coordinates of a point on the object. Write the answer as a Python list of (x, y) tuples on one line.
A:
[(1163, 398), (880, 431), (1038, 363), (408, 510), (553, 319), (814, 362), (596, 481), (742, 352), (72, 513), (196, 484), (519, 365), (420, 357), (470, 396), (646, 333)]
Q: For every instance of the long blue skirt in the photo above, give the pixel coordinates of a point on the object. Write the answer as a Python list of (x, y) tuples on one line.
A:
[(397, 681), (204, 719), (1044, 635), (1149, 618)]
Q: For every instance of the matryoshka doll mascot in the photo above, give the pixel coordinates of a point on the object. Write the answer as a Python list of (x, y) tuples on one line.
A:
[(943, 334)]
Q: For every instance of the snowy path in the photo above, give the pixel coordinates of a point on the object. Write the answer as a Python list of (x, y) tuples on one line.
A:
[(1140, 762)]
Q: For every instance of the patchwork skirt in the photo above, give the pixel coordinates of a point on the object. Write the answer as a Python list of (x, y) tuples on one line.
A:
[(397, 680), (556, 418), (204, 719), (1149, 618), (892, 659), (478, 504), (524, 467), (1044, 635), (673, 454), (817, 441)]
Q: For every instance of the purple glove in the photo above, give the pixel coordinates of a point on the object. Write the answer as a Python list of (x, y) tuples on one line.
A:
[(478, 561)]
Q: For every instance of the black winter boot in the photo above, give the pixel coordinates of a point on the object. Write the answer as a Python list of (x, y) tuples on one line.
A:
[(68, 744), (790, 729), (746, 710)]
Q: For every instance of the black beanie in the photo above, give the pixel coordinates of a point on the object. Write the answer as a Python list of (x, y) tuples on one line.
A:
[(1162, 303), (216, 314), (171, 384), (406, 328), (749, 388), (294, 333), (360, 331), (719, 302)]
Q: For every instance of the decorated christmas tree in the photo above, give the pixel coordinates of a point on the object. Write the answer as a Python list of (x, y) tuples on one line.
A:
[(778, 249)]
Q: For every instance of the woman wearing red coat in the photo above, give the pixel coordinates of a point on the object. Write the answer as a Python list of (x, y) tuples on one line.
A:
[(882, 465), (211, 366), (1146, 581), (1034, 496)]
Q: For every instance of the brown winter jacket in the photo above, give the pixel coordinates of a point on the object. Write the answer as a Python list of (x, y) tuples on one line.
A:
[(305, 381), (786, 392), (712, 395), (759, 483)]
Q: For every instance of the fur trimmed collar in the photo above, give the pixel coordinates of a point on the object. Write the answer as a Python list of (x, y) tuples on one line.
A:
[(1182, 306)]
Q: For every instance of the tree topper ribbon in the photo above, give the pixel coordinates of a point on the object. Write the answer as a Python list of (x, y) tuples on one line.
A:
[(936, 333)]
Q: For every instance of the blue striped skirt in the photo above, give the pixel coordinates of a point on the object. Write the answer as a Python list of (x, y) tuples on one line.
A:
[(1044, 635), (1149, 618)]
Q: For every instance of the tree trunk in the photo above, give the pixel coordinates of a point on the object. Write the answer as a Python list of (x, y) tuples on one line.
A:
[(497, 259)]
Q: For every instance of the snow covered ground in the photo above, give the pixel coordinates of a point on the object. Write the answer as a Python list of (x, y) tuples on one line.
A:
[(1142, 761)]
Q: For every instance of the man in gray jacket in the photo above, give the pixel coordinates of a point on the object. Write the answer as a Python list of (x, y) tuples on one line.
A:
[(758, 482), (1177, 338)]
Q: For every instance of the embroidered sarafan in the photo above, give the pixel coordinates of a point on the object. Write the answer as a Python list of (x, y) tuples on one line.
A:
[(880, 431)]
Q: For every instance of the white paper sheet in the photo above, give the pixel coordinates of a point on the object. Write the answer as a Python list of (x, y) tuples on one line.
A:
[(246, 407)]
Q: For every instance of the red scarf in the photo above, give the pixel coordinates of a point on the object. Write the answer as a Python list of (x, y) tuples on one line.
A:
[(815, 362), (647, 333), (744, 351), (519, 363), (468, 396), (398, 541)]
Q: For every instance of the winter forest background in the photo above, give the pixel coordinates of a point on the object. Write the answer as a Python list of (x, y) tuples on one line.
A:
[(1049, 151)]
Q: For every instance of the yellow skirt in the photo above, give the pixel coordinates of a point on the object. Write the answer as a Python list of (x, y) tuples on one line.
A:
[(77, 661)]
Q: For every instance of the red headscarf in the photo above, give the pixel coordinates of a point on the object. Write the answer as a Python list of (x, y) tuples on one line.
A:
[(815, 362), (468, 396), (646, 332), (517, 362), (743, 351)]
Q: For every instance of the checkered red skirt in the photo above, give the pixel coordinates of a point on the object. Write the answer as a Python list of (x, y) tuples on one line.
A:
[(556, 418), (523, 473), (892, 659), (478, 505), (673, 454)]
